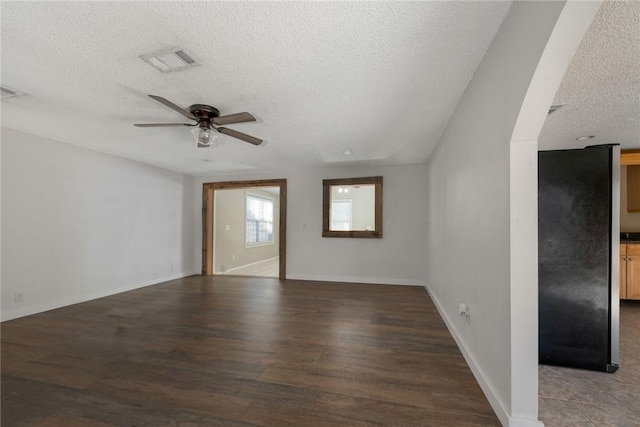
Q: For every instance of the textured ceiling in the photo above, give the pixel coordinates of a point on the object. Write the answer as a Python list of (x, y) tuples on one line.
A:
[(381, 78), (602, 85)]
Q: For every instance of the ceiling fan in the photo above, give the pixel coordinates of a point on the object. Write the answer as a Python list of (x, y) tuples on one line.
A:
[(206, 117)]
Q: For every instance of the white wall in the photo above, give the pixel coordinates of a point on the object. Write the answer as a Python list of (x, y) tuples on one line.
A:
[(629, 221), (78, 224), (1, 299), (397, 258), (482, 203)]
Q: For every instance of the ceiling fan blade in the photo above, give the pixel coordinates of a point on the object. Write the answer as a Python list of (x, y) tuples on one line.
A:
[(234, 118), (243, 136), (153, 125), (173, 106)]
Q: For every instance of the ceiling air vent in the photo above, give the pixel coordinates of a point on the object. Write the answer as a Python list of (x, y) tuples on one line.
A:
[(5, 92), (170, 60), (555, 108)]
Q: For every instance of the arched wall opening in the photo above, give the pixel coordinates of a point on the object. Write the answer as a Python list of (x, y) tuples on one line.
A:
[(482, 202)]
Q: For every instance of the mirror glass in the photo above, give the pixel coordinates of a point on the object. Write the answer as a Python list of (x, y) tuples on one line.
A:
[(352, 207)]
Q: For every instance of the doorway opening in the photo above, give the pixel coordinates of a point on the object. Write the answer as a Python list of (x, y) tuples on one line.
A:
[(244, 228)]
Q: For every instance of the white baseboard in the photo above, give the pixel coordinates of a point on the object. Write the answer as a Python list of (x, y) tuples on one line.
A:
[(478, 373), (522, 422), (248, 265), (349, 279), (63, 302)]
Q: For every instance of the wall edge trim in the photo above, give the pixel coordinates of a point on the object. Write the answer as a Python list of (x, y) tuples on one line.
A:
[(247, 265), (65, 302), (350, 279)]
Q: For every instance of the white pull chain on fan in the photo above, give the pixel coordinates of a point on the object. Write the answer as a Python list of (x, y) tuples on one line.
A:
[(206, 117)]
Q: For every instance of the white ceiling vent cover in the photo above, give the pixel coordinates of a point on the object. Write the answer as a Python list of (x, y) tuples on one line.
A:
[(175, 59), (6, 92)]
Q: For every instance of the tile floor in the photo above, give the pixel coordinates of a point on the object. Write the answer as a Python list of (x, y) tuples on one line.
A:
[(573, 397)]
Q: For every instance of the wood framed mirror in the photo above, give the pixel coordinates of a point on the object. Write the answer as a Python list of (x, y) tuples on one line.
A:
[(352, 207)]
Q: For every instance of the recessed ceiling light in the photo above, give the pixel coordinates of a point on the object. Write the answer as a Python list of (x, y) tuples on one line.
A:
[(585, 137), (347, 151), (175, 59)]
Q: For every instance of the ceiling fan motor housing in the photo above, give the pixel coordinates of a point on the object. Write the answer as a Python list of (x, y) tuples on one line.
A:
[(202, 111)]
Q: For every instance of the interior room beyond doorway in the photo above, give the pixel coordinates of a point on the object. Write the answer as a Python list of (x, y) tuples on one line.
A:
[(244, 228), (246, 231)]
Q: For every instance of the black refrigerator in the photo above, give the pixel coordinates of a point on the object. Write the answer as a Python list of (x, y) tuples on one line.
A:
[(578, 256)]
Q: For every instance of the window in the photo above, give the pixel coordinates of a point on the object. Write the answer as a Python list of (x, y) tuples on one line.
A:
[(259, 217), (341, 215)]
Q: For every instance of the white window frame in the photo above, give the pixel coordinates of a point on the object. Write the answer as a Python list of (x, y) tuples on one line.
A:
[(248, 244)]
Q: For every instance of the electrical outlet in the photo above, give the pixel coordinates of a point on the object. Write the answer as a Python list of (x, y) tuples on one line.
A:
[(18, 297), (463, 310), (233, 257), (172, 268)]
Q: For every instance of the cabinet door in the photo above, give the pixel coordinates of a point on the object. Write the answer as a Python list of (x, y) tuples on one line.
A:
[(633, 188), (633, 272), (623, 271)]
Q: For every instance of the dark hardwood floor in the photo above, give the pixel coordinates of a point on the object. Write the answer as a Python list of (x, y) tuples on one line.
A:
[(231, 351)]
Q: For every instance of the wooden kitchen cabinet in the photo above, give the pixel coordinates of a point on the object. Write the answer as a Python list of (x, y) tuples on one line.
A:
[(623, 271), (630, 271), (633, 188), (633, 271)]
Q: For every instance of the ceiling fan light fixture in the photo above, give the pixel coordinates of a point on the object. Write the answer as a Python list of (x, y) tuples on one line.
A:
[(206, 136)]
